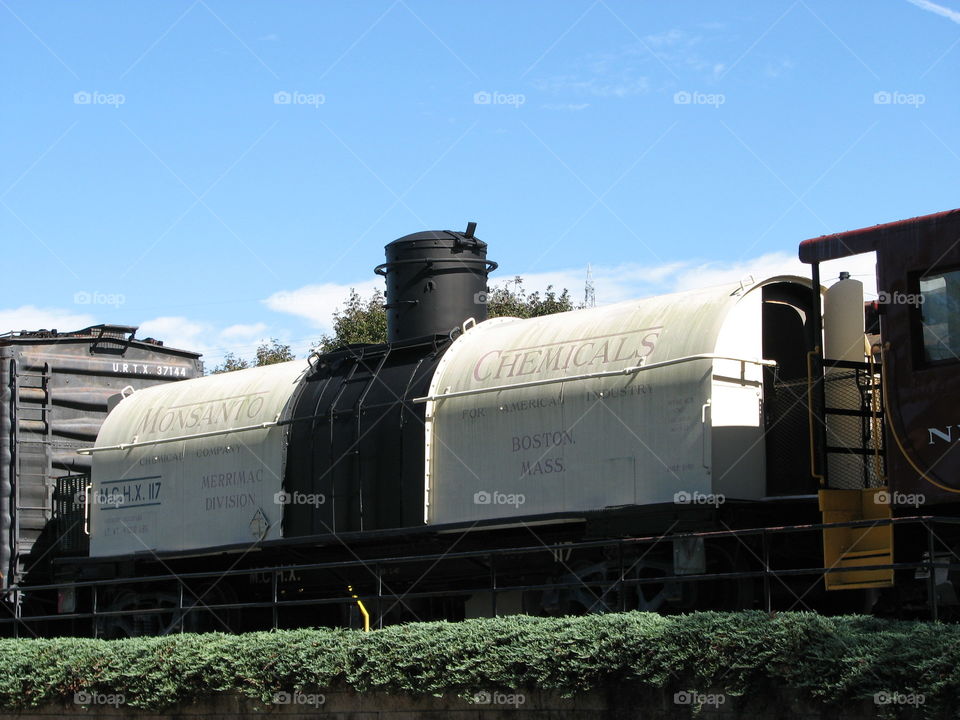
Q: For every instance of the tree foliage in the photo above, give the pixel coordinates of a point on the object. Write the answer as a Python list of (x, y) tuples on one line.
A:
[(273, 352), (511, 300), (359, 321), (268, 353), (230, 363), (365, 320)]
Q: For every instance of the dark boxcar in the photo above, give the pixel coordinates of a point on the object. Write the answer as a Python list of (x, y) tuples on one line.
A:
[(918, 283), (54, 390)]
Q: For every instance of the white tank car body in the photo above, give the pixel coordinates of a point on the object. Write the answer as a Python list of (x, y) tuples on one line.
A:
[(644, 402), (194, 464), (649, 412)]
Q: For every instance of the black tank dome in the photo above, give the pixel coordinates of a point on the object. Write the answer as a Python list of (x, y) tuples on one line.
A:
[(436, 279)]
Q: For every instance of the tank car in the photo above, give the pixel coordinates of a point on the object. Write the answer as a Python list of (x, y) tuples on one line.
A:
[(744, 445)]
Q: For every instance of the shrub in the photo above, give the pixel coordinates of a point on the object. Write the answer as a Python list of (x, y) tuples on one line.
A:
[(830, 660)]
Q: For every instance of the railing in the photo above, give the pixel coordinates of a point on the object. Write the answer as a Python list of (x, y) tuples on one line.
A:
[(854, 424), (380, 567), (632, 370)]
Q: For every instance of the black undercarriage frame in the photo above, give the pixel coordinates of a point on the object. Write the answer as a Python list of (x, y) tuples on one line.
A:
[(748, 568)]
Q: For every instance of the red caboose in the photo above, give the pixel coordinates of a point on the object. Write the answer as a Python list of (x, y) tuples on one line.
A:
[(908, 415)]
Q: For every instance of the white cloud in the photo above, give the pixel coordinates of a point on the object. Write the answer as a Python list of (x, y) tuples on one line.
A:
[(244, 332), (241, 339), (613, 283), (29, 317), (678, 48), (317, 303), (616, 283), (175, 331), (620, 85), (572, 107), (617, 73), (862, 267), (179, 332), (775, 69), (626, 70), (671, 38), (938, 9)]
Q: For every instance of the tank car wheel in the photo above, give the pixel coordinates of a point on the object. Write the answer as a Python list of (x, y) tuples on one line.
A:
[(724, 594), (134, 624), (171, 619), (116, 627), (585, 594), (599, 590), (650, 597), (197, 618)]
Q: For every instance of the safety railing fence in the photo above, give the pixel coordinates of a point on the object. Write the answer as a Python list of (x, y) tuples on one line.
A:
[(187, 601)]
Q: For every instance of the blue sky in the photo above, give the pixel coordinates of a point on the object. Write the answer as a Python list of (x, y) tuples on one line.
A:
[(222, 172)]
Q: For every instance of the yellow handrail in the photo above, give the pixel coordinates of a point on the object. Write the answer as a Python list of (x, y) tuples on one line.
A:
[(363, 610), (810, 418)]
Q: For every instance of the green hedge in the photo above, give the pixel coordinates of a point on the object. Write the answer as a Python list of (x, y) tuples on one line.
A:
[(833, 660)]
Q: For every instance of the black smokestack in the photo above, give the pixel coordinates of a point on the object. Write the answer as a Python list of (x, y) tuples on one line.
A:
[(435, 280)]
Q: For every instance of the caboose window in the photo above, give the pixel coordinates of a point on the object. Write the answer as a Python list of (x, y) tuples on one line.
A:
[(940, 316)]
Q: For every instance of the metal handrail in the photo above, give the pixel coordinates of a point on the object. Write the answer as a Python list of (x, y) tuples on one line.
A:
[(589, 376), (928, 563), (179, 438)]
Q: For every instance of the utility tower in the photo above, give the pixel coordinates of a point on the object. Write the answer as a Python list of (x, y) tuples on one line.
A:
[(589, 293)]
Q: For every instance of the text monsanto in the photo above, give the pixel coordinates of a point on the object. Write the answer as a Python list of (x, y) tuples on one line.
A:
[(185, 417)]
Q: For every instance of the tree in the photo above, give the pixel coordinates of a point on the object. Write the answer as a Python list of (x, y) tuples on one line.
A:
[(273, 352), (360, 321), (507, 301), (230, 363), (365, 321), (268, 353)]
